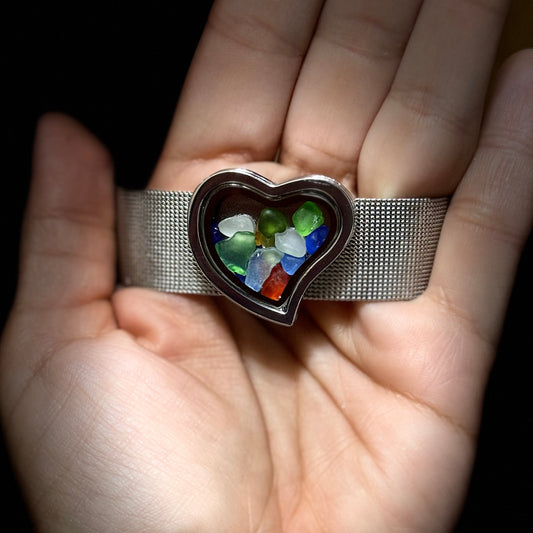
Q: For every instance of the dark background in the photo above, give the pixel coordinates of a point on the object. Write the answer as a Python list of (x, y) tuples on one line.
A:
[(119, 69)]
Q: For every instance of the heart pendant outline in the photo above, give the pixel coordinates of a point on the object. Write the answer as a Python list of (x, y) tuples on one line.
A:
[(247, 183)]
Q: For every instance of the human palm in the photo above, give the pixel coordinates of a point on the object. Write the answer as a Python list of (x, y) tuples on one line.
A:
[(132, 410)]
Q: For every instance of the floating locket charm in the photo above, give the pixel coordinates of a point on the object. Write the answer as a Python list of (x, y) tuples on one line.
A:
[(261, 244)]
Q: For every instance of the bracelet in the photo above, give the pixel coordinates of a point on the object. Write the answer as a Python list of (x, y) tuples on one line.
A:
[(266, 246)]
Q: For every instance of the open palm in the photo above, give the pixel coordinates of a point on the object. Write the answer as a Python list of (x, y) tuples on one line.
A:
[(133, 410)]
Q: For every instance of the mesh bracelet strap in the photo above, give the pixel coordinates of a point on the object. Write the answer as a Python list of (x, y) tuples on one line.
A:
[(389, 256)]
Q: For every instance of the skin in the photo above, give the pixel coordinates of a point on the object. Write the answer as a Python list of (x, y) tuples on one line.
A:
[(132, 410)]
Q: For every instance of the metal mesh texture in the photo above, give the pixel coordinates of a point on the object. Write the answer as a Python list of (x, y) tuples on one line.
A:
[(389, 256)]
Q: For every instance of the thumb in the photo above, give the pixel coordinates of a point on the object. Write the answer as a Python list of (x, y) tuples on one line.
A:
[(67, 250), (67, 260)]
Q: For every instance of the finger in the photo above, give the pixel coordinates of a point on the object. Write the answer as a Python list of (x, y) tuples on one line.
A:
[(234, 101), (426, 131), (67, 253), (345, 77), (491, 213)]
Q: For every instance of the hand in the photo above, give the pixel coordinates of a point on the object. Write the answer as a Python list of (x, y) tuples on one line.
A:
[(134, 410)]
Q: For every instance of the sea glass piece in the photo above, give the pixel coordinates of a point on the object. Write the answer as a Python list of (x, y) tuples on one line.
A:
[(307, 218), (236, 251), (215, 233), (291, 242), (272, 221), (231, 225), (262, 240), (275, 283), (316, 239), (260, 266), (291, 264)]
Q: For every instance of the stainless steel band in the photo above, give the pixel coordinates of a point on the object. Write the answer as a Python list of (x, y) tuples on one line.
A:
[(389, 256)]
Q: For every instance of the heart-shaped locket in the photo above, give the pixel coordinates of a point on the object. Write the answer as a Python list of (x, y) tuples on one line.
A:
[(261, 244)]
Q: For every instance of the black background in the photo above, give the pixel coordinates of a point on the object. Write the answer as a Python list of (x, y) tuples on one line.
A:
[(119, 69)]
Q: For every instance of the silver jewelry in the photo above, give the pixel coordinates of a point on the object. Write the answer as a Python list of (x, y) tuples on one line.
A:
[(354, 249)]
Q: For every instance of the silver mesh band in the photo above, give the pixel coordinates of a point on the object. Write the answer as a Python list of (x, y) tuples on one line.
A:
[(389, 256)]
